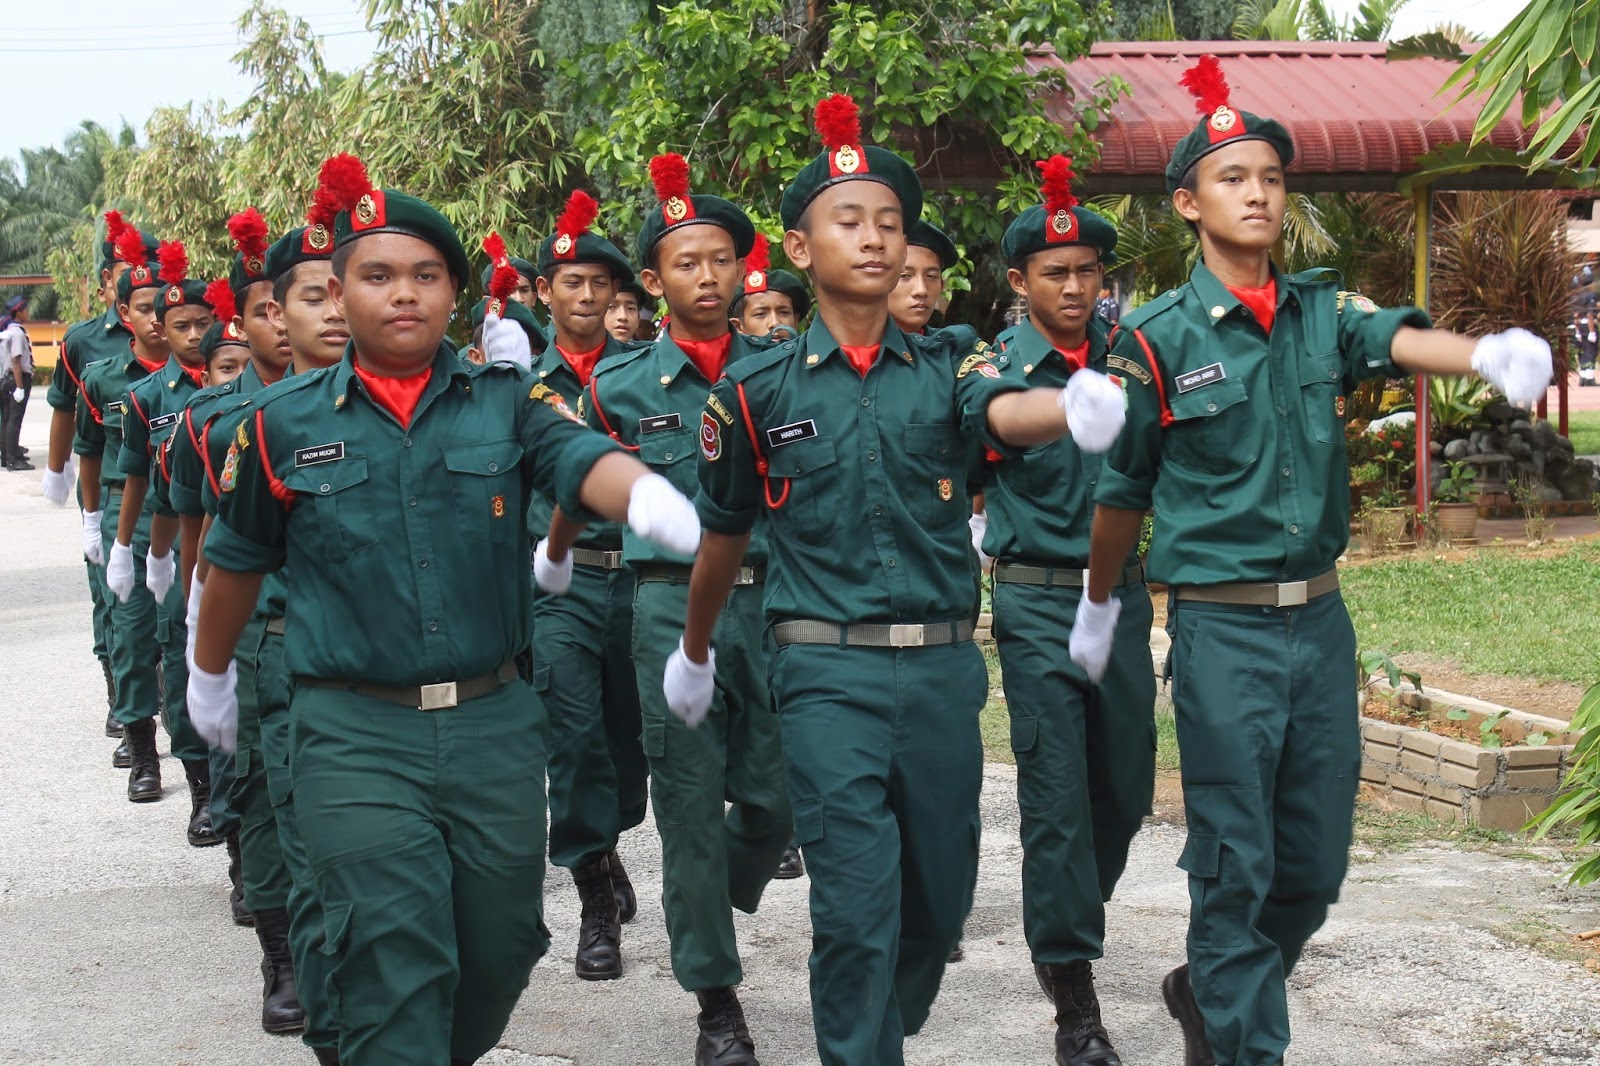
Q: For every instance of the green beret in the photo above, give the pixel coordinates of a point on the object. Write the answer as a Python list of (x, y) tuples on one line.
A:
[(108, 254), (187, 293), (690, 210), (139, 277), (926, 235), (300, 245), (1027, 235), (392, 211), (781, 281), (524, 268), (245, 273), (519, 313), (852, 164), (1222, 125), (221, 335), (586, 248)]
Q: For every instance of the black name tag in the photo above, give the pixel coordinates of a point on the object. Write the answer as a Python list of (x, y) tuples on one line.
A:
[(115, 406), (777, 438), (660, 423), (164, 420), (322, 453), (1206, 375)]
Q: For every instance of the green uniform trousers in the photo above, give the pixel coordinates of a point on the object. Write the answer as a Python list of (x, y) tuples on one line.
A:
[(1267, 726), (143, 630), (885, 763), (224, 819), (1085, 761), (307, 929), (583, 671), (426, 837), (711, 861), (100, 614), (266, 876)]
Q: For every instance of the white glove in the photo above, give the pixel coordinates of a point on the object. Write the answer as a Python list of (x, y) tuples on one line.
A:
[(119, 570), (979, 525), (1092, 633), (659, 512), (1515, 362), (159, 573), (191, 619), (93, 550), (17, 395), (689, 686), (555, 578), (505, 341), (1095, 410), (57, 487), (213, 705)]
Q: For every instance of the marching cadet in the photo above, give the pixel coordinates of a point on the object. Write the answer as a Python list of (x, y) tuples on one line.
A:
[(416, 743), (1085, 753), (501, 281), (631, 308), (929, 253), (1236, 384), (770, 303), (522, 290), (854, 440), (89, 342), (716, 785), (134, 622), (583, 666), (143, 581)]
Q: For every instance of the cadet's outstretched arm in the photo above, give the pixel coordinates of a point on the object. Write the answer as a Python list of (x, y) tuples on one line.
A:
[(609, 485), (1432, 351), (227, 600), (163, 534), (563, 534), (1112, 536), (716, 568), (1024, 419), (1516, 362), (134, 490), (89, 481)]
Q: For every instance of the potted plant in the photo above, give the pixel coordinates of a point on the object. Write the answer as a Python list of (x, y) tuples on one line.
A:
[(1386, 516), (1457, 497)]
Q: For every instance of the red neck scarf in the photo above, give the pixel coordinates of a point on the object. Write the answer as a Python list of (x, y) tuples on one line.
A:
[(1075, 358), (150, 367), (398, 396), (582, 363), (1263, 302), (708, 357), (861, 356), (194, 372)]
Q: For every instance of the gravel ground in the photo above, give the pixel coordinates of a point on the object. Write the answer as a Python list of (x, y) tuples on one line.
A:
[(115, 945)]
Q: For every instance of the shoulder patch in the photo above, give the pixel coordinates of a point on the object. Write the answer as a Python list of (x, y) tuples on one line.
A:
[(1129, 367), (979, 361), (1355, 300), (722, 412), (554, 399)]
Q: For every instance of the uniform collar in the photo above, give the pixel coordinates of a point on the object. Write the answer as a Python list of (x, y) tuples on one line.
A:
[(1218, 302), (673, 362), (1029, 348), (819, 345), (447, 367), (110, 320), (551, 361)]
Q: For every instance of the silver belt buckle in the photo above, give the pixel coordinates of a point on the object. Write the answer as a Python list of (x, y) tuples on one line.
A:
[(1292, 594), (438, 697), (907, 636)]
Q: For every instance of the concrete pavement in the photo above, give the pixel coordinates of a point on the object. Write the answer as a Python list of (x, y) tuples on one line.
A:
[(116, 947)]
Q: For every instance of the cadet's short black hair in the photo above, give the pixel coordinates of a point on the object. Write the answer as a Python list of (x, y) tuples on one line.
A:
[(341, 258)]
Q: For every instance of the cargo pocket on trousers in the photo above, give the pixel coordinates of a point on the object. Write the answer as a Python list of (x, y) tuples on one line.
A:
[(335, 931), (1024, 734), (279, 788), (1221, 919)]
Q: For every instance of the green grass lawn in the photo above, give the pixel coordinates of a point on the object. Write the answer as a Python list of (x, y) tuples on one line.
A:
[(1499, 611), (1584, 432)]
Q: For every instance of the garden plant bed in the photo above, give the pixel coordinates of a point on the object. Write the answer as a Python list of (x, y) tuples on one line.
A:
[(1427, 761)]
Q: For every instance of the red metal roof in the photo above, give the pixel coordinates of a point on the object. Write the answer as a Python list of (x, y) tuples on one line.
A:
[(1358, 120)]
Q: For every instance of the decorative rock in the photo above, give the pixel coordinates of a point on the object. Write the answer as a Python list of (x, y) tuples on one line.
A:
[(1458, 449)]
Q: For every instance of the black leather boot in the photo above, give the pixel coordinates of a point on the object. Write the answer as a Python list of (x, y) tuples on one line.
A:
[(1179, 994), (198, 771), (144, 775), (1081, 1039), (791, 865), (622, 888), (956, 953), (326, 1056), (241, 913), (724, 1038), (599, 933), (113, 727), (280, 1001), (122, 757)]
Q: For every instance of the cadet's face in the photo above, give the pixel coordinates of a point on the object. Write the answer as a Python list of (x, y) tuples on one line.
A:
[(140, 315), (578, 296), (184, 327), (855, 241), (396, 298), (1239, 197), (697, 273), (227, 364), (523, 293), (269, 344), (108, 283), (622, 317), (315, 329), (919, 289), (1060, 285), (764, 312)]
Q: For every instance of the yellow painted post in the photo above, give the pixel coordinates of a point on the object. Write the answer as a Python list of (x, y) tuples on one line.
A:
[(1423, 196)]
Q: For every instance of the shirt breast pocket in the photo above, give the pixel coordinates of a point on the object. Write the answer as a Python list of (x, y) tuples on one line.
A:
[(665, 451), (1321, 385), (484, 488), (344, 524), (1210, 430), (816, 507), (934, 488)]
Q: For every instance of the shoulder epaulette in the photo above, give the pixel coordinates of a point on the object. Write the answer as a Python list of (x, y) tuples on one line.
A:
[(957, 339), (289, 386), (1136, 318), (1317, 275), (623, 358), (756, 362)]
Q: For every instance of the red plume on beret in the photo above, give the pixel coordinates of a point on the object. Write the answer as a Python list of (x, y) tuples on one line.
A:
[(838, 121), (1060, 224), (503, 282), (669, 173), (248, 231), (760, 257), (342, 182), (115, 225), (1206, 84), (580, 213), (174, 260), (130, 247), (219, 295)]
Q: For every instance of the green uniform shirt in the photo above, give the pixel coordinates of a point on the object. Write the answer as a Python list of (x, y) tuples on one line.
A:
[(650, 400), (553, 371), (85, 344), (1237, 439), (865, 487), (190, 479), (99, 417), (410, 538), (151, 409)]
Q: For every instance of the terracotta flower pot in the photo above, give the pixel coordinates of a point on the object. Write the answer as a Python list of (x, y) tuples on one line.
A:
[(1385, 527), (1457, 521)]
